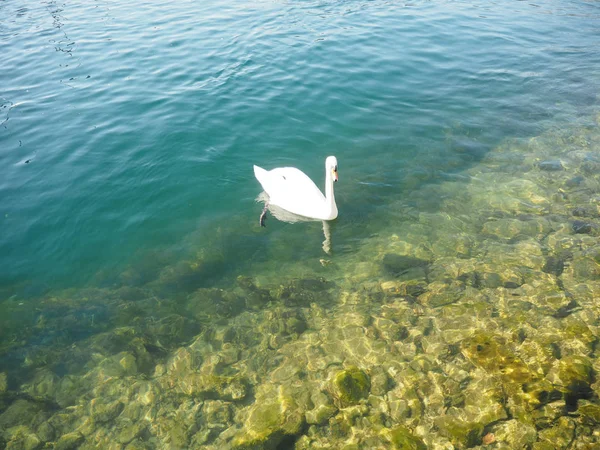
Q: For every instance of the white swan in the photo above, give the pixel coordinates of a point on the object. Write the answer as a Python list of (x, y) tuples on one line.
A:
[(291, 189)]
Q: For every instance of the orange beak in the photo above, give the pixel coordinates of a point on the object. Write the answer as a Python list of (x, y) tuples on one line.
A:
[(334, 172)]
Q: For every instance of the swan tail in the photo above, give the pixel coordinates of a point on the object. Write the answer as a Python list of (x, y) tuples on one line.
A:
[(259, 172), (262, 176)]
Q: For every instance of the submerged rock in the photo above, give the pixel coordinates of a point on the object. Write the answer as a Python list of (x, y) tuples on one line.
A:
[(509, 228), (20, 412), (350, 385), (484, 404), (216, 413), (441, 294), (255, 297), (398, 265), (401, 438), (173, 330), (206, 305), (581, 227), (22, 438), (311, 284), (131, 431), (514, 433), (322, 411), (574, 181), (105, 412), (551, 165), (69, 441), (3, 382), (462, 433), (46, 432), (589, 412), (558, 436), (582, 211), (554, 265), (303, 292), (573, 375), (277, 412), (410, 288), (189, 375), (491, 353)]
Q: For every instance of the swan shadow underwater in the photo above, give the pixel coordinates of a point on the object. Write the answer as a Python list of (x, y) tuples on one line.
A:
[(291, 196)]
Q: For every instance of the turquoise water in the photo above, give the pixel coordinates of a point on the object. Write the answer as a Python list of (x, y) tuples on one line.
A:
[(141, 122), (142, 305)]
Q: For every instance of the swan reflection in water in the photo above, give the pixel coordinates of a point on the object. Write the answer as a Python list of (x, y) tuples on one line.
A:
[(286, 216)]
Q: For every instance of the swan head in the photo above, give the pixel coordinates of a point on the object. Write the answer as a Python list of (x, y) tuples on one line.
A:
[(331, 167)]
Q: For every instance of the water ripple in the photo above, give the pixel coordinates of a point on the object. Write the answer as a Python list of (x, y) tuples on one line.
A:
[(141, 121)]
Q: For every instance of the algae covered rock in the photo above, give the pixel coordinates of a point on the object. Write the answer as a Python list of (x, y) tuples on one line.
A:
[(461, 432), (22, 438), (268, 424), (278, 411), (105, 412), (3, 382), (380, 381), (574, 370), (350, 385), (323, 409), (515, 434), (216, 413), (554, 265), (509, 228), (401, 438), (573, 375), (302, 292), (484, 404), (589, 412), (173, 330), (69, 441), (209, 304), (130, 431), (441, 294), (559, 436), (46, 432), (554, 165), (20, 412), (404, 266), (491, 353)]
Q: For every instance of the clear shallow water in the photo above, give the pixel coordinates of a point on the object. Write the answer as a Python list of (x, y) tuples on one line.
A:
[(141, 122), (127, 138)]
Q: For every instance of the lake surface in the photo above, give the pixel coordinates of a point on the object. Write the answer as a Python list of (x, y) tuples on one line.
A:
[(141, 122), (467, 139)]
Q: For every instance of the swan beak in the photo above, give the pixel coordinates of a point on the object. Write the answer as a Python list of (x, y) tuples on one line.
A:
[(334, 172)]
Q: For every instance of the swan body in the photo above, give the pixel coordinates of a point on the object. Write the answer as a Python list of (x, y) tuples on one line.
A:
[(292, 190)]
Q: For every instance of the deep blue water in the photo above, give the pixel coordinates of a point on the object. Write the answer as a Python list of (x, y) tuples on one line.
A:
[(128, 130)]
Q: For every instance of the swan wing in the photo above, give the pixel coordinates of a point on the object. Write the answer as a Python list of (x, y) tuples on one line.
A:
[(292, 190)]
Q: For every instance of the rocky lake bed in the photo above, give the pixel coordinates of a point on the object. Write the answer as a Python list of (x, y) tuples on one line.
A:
[(473, 323)]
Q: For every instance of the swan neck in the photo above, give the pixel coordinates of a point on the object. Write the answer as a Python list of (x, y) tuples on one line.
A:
[(329, 196)]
